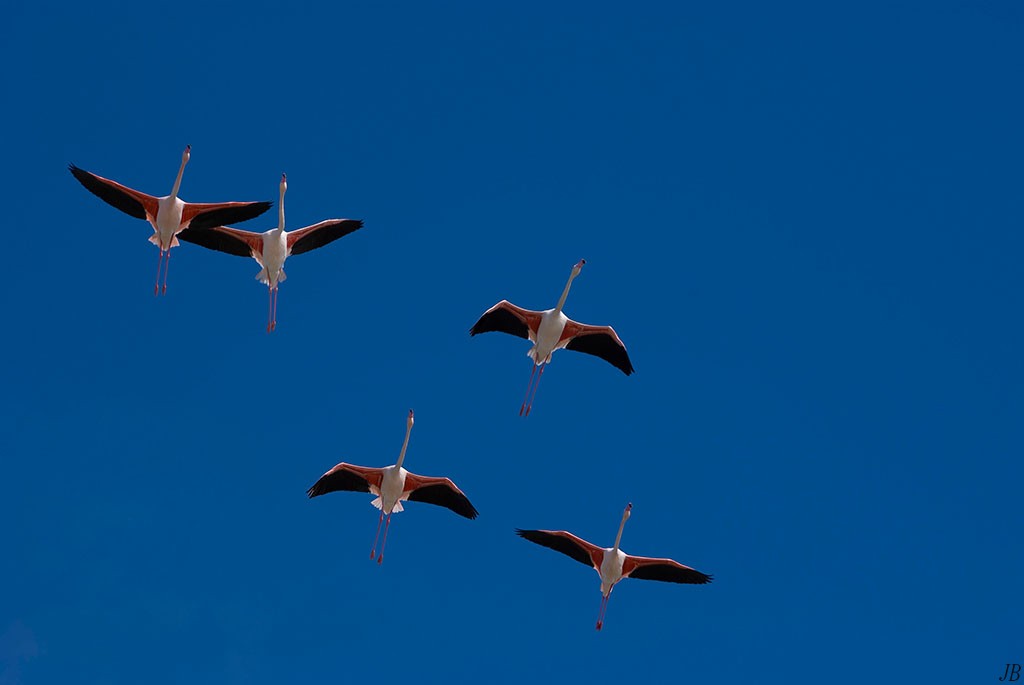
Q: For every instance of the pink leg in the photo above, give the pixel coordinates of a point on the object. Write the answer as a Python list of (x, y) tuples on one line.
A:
[(535, 386), (167, 267), (604, 607), (380, 557), (376, 535), (273, 320), (270, 317), (533, 370), (159, 264)]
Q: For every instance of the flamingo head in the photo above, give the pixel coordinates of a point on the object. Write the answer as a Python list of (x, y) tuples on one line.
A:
[(629, 508), (186, 154), (409, 421), (284, 183), (578, 267)]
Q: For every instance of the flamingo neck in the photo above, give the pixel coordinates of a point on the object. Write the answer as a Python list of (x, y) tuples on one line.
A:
[(280, 213), (618, 538), (177, 181), (565, 293), (405, 445)]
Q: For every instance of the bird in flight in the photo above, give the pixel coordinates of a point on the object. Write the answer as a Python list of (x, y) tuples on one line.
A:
[(272, 248), (393, 485), (551, 330), (168, 215), (611, 563)]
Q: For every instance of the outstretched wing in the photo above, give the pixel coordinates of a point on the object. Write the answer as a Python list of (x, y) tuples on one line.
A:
[(505, 317), (439, 491), (346, 477), (129, 201), (225, 239), (566, 543), (318, 235), (647, 568), (600, 341), (196, 215)]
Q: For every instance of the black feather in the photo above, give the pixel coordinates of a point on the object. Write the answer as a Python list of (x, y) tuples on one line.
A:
[(109, 194), (604, 346), (325, 235), (229, 215), (557, 543), (670, 574), (443, 496), (340, 479), (215, 240), (501, 320)]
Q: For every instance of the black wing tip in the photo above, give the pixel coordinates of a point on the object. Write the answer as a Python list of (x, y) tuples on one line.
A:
[(318, 488), (467, 510)]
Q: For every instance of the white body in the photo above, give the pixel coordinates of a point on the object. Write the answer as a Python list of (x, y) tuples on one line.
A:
[(611, 569), (275, 247), (168, 221), (552, 323), (392, 483), (611, 565), (169, 211), (275, 251), (389, 495), (548, 333)]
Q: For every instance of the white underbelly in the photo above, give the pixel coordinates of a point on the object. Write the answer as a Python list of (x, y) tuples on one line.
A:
[(168, 220), (391, 487), (611, 569), (548, 334)]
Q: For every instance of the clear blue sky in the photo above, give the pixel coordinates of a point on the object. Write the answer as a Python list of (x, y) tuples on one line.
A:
[(805, 223)]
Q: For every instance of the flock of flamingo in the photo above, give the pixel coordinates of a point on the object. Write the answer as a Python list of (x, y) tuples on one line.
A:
[(549, 330)]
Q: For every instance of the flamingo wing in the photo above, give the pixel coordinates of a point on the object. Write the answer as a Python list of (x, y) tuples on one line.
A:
[(566, 543), (346, 477), (647, 568), (318, 235), (600, 341), (225, 239), (129, 201), (439, 491), (196, 215), (505, 317)]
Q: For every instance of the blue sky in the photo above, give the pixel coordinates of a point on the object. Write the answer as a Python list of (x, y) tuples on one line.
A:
[(803, 221)]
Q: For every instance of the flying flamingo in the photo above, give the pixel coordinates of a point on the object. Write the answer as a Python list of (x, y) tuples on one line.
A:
[(611, 563), (272, 248), (552, 330), (169, 215), (393, 485)]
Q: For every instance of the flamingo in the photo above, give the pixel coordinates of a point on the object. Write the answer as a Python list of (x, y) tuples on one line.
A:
[(169, 215), (551, 330), (393, 485), (611, 563), (272, 248)]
